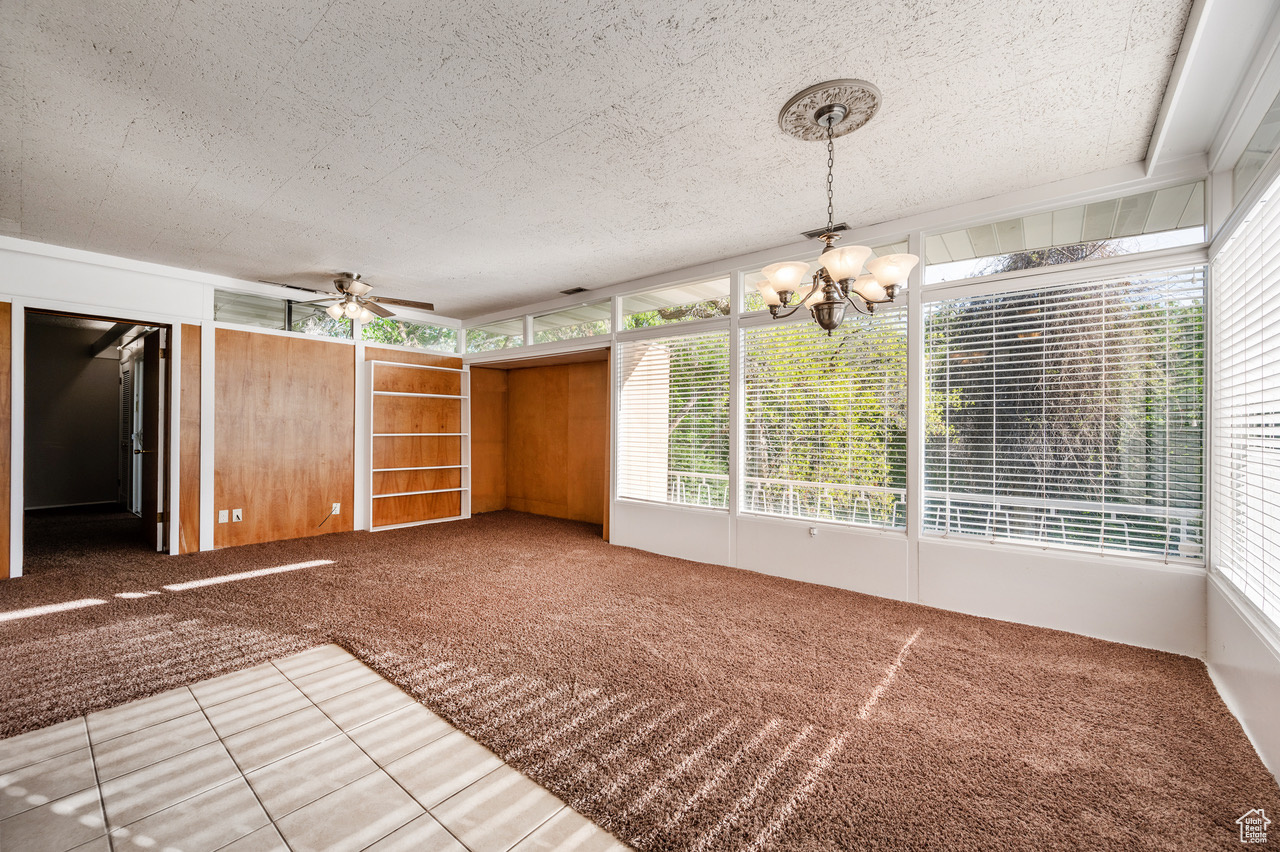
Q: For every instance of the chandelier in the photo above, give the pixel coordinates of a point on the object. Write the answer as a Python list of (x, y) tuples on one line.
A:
[(825, 112)]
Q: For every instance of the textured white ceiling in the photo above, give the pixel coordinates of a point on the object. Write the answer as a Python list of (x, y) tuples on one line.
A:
[(489, 153)]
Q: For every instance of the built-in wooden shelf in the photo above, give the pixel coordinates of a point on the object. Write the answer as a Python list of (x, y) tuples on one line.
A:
[(424, 476)]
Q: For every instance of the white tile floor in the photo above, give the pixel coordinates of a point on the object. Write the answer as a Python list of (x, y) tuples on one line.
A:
[(312, 752)]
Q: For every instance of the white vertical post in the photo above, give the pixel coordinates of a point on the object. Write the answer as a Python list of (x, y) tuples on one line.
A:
[(464, 480), (915, 414), (736, 413), (17, 421), (208, 347), (175, 439), (528, 329), (361, 515)]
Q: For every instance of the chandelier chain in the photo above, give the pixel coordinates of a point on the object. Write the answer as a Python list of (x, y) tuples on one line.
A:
[(831, 164)]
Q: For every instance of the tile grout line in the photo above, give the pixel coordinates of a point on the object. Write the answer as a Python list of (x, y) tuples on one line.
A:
[(563, 807), (270, 821), (563, 804), (395, 780), (102, 800)]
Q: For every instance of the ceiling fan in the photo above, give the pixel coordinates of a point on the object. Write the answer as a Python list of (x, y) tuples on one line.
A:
[(354, 301)]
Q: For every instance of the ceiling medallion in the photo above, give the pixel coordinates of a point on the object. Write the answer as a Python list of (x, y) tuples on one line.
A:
[(823, 113), (799, 118)]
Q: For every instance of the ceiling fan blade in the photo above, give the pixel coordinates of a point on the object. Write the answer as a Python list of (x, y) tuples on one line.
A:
[(404, 303), (378, 309)]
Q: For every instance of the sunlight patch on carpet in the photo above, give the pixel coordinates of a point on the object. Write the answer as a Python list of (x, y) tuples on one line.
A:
[(49, 609), (890, 674), (246, 575)]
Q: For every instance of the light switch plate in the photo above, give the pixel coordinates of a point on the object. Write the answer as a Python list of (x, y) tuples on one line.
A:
[(237, 515), (222, 516)]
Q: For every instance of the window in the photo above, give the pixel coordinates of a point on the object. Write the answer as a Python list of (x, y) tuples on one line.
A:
[(1069, 415), (1263, 143), (507, 334), (402, 332), (1246, 407), (673, 420), (248, 309), (1143, 222), (572, 323), (700, 300), (278, 314), (312, 319), (826, 420)]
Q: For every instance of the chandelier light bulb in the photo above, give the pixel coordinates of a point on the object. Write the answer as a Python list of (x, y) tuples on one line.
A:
[(845, 262), (367, 316), (786, 276), (869, 288), (892, 268), (352, 309), (769, 294), (335, 310)]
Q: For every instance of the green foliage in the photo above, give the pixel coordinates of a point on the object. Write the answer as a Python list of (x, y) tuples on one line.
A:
[(572, 332), (310, 319), (826, 420), (483, 340), (400, 332), (677, 313)]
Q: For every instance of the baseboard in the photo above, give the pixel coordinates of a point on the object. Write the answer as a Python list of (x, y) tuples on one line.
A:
[(72, 505)]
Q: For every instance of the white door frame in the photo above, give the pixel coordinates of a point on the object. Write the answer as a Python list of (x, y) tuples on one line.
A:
[(18, 400)]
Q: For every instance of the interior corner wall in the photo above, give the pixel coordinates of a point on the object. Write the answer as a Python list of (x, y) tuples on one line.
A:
[(284, 409), (1244, 663), (558, 442), (71, 452), (488, 440)]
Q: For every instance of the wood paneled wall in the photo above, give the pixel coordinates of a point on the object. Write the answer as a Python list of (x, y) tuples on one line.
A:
[(488, 440), (556, 445), (6, 429), (285, 417), (189, 451)]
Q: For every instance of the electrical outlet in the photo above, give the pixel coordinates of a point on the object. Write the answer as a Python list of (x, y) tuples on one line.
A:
[(337, 508), (237, 515), (813, 532), (222, 516)]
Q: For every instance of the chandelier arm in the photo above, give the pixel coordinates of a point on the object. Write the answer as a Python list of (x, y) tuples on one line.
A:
[(859, 304), (773, 311)]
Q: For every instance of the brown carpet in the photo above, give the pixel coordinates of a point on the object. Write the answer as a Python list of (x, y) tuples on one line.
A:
[(680, 705)]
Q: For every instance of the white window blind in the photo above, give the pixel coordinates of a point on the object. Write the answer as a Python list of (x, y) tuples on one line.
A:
[(1246, 407), (673, 420), (1070, 415), (826, 420)]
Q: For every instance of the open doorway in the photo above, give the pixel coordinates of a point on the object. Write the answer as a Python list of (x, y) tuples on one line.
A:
[(96, 439), (540, 436)]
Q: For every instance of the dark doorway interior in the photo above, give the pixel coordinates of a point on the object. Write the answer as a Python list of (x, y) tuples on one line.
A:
[(94, 438)]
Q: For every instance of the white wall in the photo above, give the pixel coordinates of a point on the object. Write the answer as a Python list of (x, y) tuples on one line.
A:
[(72, 419), (1245, 665), (1119, 599), (698, 534), (869, 561), (1109, 597)]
